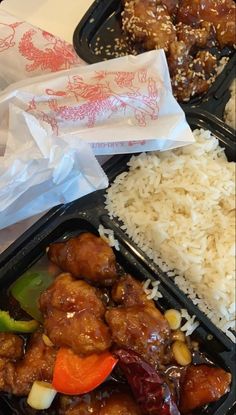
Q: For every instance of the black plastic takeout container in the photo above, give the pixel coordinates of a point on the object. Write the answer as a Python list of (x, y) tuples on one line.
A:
[(95, 38), (86, 214)]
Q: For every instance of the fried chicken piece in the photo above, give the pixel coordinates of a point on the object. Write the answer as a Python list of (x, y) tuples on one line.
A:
[(85, 256), (128, 292), (226, 32), (188, 84), (149, 23), (68, 294), (202, 384), (113, 403), (11, 346), (84, 408), (81, 331), (73, 314), (181, 63), (117, 404), (120, 404), (198, 37), (138, 325), (178, 58), (190, 76), (204, 63), (141, 329), (171, 5), (37, 364), (221, 13)]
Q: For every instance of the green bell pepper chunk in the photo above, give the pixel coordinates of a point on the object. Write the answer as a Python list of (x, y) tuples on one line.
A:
[(9, 324), (27, 290)]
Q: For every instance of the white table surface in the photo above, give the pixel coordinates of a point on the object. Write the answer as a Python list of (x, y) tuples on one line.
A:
[(57, 17)]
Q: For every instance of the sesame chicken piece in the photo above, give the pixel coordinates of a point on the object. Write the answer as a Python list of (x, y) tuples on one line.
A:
[(190, 76), (149, 23), (198, 37), (220, 13)]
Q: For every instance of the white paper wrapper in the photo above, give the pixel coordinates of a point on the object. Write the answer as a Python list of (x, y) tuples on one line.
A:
[(39, 171), (27, 51), (120, 106)]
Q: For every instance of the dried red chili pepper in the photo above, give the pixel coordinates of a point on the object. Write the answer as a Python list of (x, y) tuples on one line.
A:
[(151, 392)]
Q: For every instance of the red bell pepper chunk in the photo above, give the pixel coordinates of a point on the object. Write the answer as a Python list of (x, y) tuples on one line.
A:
[(75, 375)]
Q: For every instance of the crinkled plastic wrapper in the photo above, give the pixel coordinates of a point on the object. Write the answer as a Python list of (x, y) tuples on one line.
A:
[(39, 171), (124, 105)]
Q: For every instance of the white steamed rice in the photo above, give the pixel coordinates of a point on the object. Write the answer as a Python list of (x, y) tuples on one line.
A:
[(179, 207), (151, 288), (108, 236), (230, 110)]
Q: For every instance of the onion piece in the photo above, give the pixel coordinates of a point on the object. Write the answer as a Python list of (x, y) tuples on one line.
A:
[(41, 395)]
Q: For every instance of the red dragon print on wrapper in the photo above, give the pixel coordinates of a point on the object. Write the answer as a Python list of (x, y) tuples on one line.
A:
[(7, 36), (106, 97), (55, 54), (27, 51)]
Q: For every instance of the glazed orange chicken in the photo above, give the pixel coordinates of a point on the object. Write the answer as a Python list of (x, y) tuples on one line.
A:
[(112, 398), (137, 324), (11, 346), (118, 403), (186, 30), (18, 373), (85, 256), (202, 384), (73, 316), (106, 349)]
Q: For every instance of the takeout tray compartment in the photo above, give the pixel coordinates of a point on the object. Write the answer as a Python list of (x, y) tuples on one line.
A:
[(103, 21), (70, 224), (86, 214)]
